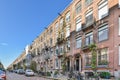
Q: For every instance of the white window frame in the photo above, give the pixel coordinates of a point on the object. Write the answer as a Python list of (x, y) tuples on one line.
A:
[(67, 18), (119, 4), (61, 22), (119, 55), (67, 31), (78, 24), (56, 24), (119, 25), (56, 61), (103, 6)]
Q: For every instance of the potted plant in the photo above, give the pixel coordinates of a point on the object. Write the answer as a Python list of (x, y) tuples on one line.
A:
[(56, 73), (48, 74), (105, 75)]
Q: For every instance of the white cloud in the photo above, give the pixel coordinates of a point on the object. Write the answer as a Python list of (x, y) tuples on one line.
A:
[(3, 44)]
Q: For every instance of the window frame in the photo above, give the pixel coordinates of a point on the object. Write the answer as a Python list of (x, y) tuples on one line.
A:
[(88, 2), (77, 41), (88, 14), (119, 26), (78, 7), (103, 28), (102, 5), (78, 22), (67, 16), (88, 35), (68, 31), (119, 55), (102, 58), (88, 57)]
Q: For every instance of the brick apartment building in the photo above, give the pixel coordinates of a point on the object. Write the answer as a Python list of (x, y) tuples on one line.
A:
[(82, 23)]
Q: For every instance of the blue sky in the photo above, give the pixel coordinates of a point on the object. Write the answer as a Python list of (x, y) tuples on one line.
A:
[(21, 21)]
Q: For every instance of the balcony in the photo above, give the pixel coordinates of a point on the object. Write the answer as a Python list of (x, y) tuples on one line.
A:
[(46, 48), (85, 46), (60, 40), (59, 53), (90, 22)]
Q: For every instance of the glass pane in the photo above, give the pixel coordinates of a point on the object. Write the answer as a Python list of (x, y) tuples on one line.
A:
[(103, 34), (103, 12)]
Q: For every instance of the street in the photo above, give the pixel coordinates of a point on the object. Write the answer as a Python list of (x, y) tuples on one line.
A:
[(14, 76)]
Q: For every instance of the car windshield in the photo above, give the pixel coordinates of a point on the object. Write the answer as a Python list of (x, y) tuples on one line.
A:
[(29, 70)]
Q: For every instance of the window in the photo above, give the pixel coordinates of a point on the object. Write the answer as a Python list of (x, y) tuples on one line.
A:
[(89, 17), (119, 3), (51, 41), (56, 62), (61, 22), (41, 39), (51, 31), (89, 38), (67, 17), (119, 54), (78, 24), (87, 2), (103, 33), (67, 31), (119, 25), (103, 9), (88, 58), (103, 56), (78, 42), (68, 45), (78, 7), (57, 52)]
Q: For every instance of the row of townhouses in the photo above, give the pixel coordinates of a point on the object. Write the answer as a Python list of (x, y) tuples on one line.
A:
[(82, 23)]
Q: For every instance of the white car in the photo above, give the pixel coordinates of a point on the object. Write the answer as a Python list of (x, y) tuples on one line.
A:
[(29, 72)]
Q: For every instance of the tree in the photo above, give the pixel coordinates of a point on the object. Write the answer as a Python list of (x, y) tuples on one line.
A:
[(33, 66), (64, 62), (93, 49)]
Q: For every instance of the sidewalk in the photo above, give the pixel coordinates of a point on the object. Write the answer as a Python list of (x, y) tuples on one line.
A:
[(66, 78)]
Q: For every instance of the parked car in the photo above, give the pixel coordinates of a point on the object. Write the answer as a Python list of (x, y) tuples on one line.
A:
[(29, 72), (20, 71), (2, 75)]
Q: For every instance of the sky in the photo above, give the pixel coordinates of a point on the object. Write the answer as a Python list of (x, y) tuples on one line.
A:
[(21, 21)]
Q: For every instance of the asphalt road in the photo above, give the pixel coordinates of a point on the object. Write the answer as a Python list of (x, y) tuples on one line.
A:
[(15, 76)]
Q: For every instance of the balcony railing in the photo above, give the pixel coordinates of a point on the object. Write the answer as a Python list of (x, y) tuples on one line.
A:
[(86, 46), (89, 23), (60, 40)]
